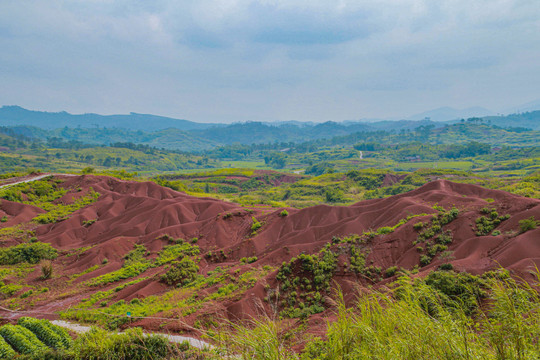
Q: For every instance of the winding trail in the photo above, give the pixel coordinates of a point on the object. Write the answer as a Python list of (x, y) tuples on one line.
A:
[(35, 178), (81, 329)]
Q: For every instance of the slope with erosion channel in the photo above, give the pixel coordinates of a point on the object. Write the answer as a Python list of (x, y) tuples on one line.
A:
[(114, 252)]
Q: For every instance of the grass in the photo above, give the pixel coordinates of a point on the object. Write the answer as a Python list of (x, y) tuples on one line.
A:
[(176, 303), (457, 165), (35, 339), (409, 320)]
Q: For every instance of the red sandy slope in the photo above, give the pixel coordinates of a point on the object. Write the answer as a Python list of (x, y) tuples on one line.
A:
[(129, 213)]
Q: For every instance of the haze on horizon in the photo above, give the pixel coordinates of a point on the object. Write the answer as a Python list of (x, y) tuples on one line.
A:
[(240, 60)]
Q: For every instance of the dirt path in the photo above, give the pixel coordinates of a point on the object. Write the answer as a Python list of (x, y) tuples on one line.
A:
[(172, 338), (35, 178)]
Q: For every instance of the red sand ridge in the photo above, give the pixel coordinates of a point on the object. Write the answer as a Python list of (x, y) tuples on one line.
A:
[(129, 213)]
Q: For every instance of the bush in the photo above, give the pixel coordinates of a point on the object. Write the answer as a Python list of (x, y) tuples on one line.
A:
[(461, 290), (51, 335), (418, 225), (26, 294), (256, 225), (384, 230), (425, 260), (528, 224), (46, 269), (87, 223), (31, 253), (121, 274), (181, 272), (284, 213), (446, 267), (486, 224), (334, 195), (391, 271), (174, 252), (4, 219), (99, 344)]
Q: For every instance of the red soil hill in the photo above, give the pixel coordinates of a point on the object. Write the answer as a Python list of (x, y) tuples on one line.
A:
[(129, 213)]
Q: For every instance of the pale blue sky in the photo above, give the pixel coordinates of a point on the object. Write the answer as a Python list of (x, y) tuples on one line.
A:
[(235, 60)]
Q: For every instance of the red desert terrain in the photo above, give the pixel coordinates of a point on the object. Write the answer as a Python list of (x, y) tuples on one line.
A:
[(129, 212)]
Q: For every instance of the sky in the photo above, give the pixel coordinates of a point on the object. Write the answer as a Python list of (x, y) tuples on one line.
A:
[(269, 60)]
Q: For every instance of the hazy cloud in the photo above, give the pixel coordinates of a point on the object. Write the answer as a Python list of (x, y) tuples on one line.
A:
[(229, 60)]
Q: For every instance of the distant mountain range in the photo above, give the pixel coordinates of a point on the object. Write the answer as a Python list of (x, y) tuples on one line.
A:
[(159, 131), (448, 113), (16, 115), (527, 107)]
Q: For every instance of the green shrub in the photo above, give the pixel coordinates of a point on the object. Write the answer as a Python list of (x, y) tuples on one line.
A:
[(181, 272), (132, 344), (31, 253), (22, 340), (528, 224), (461, 290), (333, 195), (391, 271), (425, 260), (384, 230), (137, 255), (486, 224), (4, 219), (121, 274), (418, 225), (51, 335), (314, 272), (256, 225), (173, 252), (446, 267), (87, 223), (9, 289), (26, 294)]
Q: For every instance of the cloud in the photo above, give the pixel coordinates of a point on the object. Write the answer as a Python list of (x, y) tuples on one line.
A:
[(227, 60)]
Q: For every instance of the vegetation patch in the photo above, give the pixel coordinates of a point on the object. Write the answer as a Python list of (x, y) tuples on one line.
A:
[(486, 224), (528, 224), (181, 272), (433, 237), (29, 252), (303, 281), (61, 212), (126, 272)]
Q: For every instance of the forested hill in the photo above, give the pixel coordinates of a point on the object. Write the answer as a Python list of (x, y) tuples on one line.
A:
[(529, 120), (16, 115), (155, 131)]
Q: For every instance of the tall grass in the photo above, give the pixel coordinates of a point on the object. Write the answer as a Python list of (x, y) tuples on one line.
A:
[(412, 321), (262, 339)]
